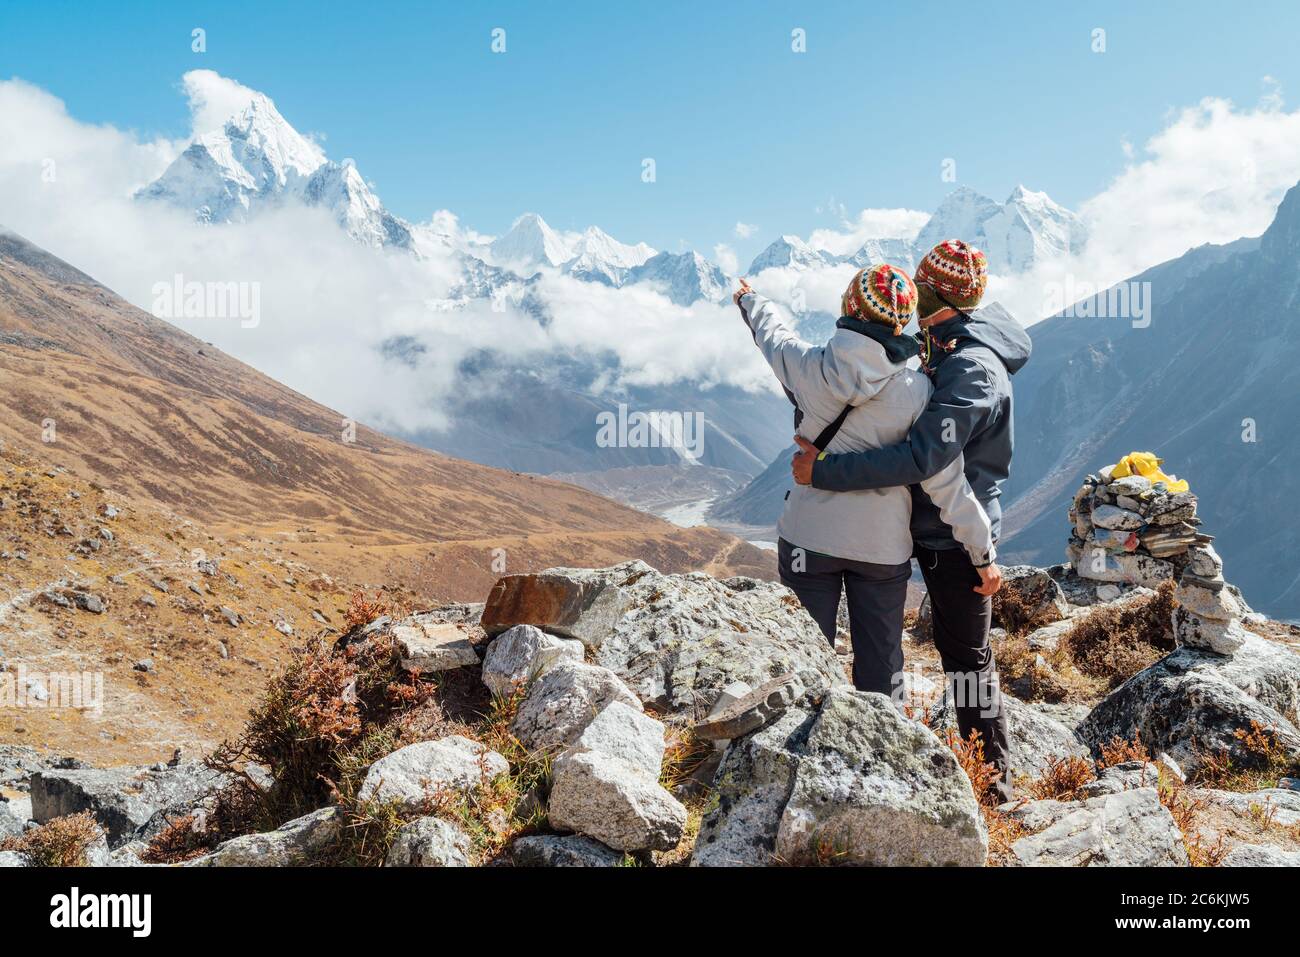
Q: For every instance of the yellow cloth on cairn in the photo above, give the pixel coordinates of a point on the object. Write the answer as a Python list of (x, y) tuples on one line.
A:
[(1147, 465)]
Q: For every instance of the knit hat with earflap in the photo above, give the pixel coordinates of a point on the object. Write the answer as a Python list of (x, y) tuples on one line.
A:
[(881, 293), (957, 271)]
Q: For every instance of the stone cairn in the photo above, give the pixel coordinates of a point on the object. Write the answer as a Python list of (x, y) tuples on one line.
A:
[(1132, 531)]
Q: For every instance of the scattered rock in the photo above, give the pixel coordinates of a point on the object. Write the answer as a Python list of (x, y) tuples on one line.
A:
[(549, 850), (753, 710), (1281, 805), (1128, 829), (562, 701), (12, 859), (299, 842), (522, 653), (414, 773), (618, 804), (232, 617), (430, 842), (144, 664)]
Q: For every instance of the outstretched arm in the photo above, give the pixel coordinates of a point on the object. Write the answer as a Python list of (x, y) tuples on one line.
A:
[(957, 409)]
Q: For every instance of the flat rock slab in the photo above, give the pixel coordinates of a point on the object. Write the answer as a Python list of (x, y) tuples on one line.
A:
[(752, 711), (430, 646), (553, 850), (1129, 829), (572, 603)]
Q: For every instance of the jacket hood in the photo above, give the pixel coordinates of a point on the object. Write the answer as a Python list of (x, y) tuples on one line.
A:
[(995, 328)]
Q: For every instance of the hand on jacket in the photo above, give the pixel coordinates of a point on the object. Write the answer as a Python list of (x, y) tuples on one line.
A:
[(742, 291), (990, 580), (802, 463)]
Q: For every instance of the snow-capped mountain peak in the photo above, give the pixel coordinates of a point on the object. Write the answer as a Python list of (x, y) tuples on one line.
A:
[(600, 257), (790, 251), (531, 241), (1029, 227)]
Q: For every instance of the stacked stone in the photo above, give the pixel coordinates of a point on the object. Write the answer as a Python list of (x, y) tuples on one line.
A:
[(1132, 531), (1129, 530)]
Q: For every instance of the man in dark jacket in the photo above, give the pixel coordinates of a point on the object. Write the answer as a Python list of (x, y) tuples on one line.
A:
[(970, 354)]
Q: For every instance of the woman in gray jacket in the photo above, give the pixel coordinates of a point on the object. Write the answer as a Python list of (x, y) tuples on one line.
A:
[(852, 394)]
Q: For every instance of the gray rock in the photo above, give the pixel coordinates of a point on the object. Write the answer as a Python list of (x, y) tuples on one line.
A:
[(12, 859), (300, 842), (626, 733), (1281, 805), (683, 638), (1049, 637), (1128, 829), (144, 664), (576, 603), (753, 710), (88, 602), (616, 803), (429, 646), (415, 773), (1132, 485), (522, 653), (563, 701), (128, 855), (873, 788), (1123, 777), (1260, 855), (1193, 700), (430, 842), (550, 850), (1132, 568), (128, 802), (856, 783), (231, 616), (1111, 517), (11, 823), (1221, 637), (1204, 561)]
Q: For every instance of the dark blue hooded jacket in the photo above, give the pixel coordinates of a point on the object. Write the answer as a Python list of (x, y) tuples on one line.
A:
[(969, 414)]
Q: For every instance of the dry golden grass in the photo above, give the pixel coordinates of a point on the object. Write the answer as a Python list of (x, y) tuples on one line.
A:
[(1064, 779), (1118, 751), (1259, 763)]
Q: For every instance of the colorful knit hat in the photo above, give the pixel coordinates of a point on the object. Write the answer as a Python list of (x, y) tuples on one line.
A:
[(957, 271), (880, 293)]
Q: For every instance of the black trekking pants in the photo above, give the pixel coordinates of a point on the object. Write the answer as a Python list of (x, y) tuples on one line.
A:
[(875, 594), (961, 636)]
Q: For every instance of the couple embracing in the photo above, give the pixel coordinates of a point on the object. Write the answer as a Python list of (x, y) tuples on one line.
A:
[(904, 441)]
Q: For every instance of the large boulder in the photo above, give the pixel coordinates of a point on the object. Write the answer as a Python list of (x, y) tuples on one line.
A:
[(128, 802), (430, 842), (1192, 702), (563, 701), (553, 850), (580, 603), (521, 654), (854, 783), (11, 822), (1128, 829), (299, 842), (414, 774), (429, 645), (1260, 855)]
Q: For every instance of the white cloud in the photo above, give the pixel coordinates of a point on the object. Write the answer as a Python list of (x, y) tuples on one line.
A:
[(213, 99), (869, 224), (725, 257), (745, 230)]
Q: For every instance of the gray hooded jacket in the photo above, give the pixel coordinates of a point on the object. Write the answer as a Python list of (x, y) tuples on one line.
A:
[(868, 525), (968, 418)]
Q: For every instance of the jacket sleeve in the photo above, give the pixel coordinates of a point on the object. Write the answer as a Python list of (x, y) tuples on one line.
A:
[(959, 507), (958, 408), (810, 374)]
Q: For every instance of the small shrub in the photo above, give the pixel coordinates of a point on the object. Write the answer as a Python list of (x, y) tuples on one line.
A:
[(1064, 779), (1118, 751), (1114, 642), (1258, 763), (983, 774), (62, 842)]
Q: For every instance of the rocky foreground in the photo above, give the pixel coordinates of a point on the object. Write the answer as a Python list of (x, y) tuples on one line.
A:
[(621, 716)]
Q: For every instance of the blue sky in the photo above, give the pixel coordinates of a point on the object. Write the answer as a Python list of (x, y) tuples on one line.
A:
[(741, 128)]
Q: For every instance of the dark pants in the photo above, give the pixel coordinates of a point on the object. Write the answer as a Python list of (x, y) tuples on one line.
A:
[(875, 595), (961, 635)]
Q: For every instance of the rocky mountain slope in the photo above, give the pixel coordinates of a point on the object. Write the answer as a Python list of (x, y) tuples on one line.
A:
[(162, 418), (1208, 381)]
